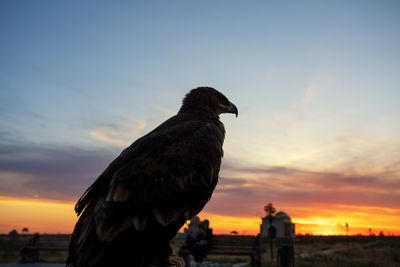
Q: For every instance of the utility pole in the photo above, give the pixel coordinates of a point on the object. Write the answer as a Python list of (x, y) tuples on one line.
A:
[(269, 208)]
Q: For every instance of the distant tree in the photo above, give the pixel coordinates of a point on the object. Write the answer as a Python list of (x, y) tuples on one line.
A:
[(381, 233), (13, 233), (25, 230)]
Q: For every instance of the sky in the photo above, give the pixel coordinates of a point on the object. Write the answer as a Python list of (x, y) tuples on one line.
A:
[(316, 83)]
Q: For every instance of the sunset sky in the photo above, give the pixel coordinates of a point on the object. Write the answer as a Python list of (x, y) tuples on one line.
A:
[(317, 85)]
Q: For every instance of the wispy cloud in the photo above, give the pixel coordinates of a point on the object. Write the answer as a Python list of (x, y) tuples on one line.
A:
[(308, 96), (121, 133), (165, 110)]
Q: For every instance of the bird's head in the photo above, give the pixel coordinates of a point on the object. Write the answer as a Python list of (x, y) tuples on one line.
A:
[(207, 99)]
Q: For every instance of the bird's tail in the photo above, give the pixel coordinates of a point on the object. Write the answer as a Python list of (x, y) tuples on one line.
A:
[(84, 246), (129, 248)]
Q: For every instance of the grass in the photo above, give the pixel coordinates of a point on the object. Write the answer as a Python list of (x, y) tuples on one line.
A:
[(10, 246), (333, 251), (10, 250), (309, 252)]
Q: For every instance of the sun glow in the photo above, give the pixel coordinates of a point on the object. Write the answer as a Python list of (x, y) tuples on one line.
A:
[(37, 215), (331, 220), (226, 224), (59, 217)]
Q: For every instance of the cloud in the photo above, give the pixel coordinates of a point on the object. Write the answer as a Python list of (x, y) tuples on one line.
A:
[(308, 96), (165, 110), (293, 187), (63, 173), (121, 133), (57, 173)]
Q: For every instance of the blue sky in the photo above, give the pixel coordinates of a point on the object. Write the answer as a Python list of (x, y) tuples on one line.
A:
[(70, 65), (316, 84)]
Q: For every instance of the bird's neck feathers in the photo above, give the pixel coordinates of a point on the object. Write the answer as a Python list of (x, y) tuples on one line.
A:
[(200, 108), (201, 111)]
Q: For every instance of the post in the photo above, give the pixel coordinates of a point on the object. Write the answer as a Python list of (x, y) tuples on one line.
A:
[(270, 237), (270, 210), (347, 236)]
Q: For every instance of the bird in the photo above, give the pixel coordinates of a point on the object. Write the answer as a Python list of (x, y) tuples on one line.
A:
[(132, 211)]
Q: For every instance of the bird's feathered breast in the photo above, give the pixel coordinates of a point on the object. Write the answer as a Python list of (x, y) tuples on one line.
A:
[(166, 175)]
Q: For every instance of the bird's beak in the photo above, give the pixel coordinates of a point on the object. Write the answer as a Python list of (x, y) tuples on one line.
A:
[(230, 109), (234, 109)]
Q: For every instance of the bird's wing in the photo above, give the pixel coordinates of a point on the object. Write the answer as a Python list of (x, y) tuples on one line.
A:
[(168, 175)]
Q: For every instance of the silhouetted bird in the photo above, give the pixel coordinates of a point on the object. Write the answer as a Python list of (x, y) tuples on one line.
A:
[(129, 215)]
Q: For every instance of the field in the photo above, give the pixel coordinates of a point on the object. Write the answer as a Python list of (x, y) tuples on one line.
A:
[(309, 251), (361, 251)]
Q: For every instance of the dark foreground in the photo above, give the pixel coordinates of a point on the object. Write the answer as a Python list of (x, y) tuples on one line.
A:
[(309, 251), (32, 264)]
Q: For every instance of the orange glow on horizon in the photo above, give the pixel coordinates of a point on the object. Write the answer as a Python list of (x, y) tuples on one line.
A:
[(37, 215), (45, 216), (226, 224), (331, 220)]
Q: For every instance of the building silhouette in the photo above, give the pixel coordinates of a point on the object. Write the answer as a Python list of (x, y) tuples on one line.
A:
[(281, 226)]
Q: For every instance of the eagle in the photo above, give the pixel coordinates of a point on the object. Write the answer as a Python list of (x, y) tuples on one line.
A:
[(131, 212)]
